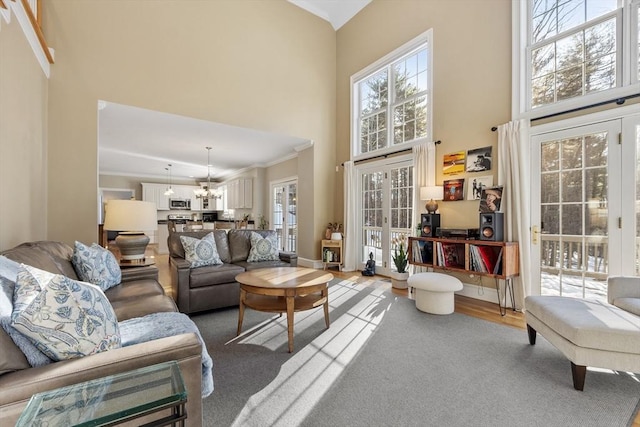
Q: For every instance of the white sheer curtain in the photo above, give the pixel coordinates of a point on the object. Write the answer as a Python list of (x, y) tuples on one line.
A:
[(350, 202), (424, 173), (514, 175)]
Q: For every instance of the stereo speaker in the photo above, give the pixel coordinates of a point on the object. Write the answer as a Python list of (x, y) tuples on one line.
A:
[(491, 226), (429, 223)]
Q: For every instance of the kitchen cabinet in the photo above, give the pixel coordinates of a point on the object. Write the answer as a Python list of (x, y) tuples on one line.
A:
[(155, 193), (240, 193)]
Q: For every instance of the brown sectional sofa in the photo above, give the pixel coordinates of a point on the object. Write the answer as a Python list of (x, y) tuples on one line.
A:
[(134, 298), (210, 287)]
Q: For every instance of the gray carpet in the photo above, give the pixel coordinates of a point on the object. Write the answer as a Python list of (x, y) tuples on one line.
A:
[(384, 363)]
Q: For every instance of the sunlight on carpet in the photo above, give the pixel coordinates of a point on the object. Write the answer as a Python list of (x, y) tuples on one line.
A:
[(304, 378)]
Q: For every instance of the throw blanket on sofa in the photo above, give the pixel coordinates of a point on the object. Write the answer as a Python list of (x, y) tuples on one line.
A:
[(161, 325)]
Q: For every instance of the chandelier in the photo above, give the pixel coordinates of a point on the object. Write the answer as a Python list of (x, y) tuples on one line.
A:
[(169, 189), (208, 192)]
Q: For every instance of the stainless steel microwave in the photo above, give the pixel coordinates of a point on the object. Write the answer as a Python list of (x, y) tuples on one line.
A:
[(182, 204)]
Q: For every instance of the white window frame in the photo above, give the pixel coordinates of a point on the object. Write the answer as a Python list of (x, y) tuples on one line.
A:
[(521, 83), (424, 39)]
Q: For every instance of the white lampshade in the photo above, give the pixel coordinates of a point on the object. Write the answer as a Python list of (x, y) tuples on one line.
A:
[(435, 192), (131, 218), (130, 215)]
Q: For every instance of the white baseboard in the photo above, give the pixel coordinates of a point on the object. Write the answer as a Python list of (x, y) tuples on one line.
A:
[(309, 263)]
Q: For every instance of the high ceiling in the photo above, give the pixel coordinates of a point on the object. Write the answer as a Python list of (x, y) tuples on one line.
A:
[(142, 143), (337, 12)]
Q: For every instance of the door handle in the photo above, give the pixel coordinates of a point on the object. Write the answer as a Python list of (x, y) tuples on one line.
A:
[(535, 234)]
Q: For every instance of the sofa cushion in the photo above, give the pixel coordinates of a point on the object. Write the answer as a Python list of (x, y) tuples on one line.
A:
[(67, 318), (128, 309), (214, 275), (12, 358), (240, 243), (262, 264), (632, 305), (222, 243), (200, 252), (97, 265), (140, 288), (18, 352), (54, 257), (263, 248)]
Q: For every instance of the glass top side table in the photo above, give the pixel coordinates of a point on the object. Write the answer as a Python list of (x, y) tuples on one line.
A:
[(112, 400)]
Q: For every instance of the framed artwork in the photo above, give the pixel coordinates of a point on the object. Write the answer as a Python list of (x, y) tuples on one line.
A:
[(453, 163), (453, 189), (479, 159), (476, 184), (491, 199)]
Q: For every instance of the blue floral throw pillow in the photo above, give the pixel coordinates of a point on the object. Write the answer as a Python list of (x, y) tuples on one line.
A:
[(201, 252), (97, 265), (263, 248), (66, 319)]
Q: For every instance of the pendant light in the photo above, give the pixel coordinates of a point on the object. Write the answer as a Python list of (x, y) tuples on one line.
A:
[(169, 191), (209, 193)]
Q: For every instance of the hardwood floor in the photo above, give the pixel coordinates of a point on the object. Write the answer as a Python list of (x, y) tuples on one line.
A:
[(469, 306)]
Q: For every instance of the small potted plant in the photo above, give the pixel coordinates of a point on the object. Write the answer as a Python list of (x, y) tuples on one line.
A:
[(400, 276)]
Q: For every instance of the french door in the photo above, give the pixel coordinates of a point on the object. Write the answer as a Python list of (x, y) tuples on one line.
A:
[(585, 207), (386, 209), (283, 214)]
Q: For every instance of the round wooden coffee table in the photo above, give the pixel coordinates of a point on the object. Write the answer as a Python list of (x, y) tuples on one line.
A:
[(284, 290)]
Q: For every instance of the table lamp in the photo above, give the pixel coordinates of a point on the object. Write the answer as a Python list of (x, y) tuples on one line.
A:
[(432, 193), (131, 218)]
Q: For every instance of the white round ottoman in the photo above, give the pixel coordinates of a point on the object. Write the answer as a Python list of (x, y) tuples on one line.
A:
[(434, 292)]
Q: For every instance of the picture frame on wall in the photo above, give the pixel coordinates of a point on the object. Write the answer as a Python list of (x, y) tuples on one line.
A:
[(453, 163), (453, 189), (479, 159), (476, 184)]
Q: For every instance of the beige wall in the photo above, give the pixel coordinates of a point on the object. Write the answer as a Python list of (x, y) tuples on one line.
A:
[(23, 153), (471, 77), (266, 65)]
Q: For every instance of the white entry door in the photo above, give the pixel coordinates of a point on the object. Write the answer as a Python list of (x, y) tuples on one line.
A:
[(585, 207)]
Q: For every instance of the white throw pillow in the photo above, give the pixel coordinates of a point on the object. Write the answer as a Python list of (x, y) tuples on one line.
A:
[(263, 248), (97, 265), (201, 252), (66, 319)]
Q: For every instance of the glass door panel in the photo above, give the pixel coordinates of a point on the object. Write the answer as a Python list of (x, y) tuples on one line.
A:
[(372, 216), (575, 210), (284, 214), (386, 211)]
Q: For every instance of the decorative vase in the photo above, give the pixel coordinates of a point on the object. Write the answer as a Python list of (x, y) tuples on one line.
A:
[(399, 280)]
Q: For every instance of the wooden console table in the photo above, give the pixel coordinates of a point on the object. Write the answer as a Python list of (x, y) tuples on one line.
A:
[(499, 260)]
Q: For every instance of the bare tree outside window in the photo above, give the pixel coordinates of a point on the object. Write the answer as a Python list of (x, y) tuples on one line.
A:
[(564, 63), (403, 103)]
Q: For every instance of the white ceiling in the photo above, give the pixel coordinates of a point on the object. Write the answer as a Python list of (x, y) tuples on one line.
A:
[(137, 142), (337, 12)]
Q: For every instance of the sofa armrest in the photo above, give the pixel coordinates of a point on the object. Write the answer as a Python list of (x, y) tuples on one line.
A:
[(18, 387), (290, 257), (180, 282), (622, 287)]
